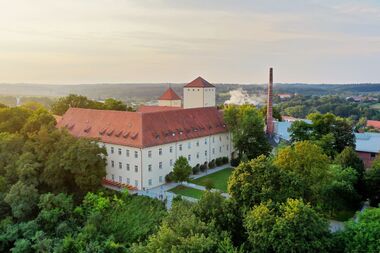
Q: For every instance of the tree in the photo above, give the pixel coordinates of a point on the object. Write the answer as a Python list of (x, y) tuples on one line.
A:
[(363, 233), (37, 119), (13, 119), (289, 227), (64, 103), (23, 200), (113, 104), (300, 131), (33, 106), (309, 164), (276, 113), (182, 170), (247, 127), (372, 183), (259, 180)]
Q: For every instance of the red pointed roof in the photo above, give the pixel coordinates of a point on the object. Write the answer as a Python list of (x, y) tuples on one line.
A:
[(169, 94), (199, 82), (373, 123)]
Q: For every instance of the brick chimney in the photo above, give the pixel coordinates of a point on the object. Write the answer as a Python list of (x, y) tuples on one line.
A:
[(270, 127)]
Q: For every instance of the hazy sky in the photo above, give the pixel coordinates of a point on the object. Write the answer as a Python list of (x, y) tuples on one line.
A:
[(94, 41)]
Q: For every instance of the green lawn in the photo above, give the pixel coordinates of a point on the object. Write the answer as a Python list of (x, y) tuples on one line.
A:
[(219, 179), (187, 191)]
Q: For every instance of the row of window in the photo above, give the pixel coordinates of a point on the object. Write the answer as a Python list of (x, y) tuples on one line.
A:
[(136, 183), (136, 154), (211, 89)]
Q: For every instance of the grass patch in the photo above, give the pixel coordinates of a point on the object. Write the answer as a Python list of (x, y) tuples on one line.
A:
[(187, 191), (219, 179)]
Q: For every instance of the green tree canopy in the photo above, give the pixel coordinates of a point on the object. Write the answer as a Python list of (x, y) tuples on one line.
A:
[(247, 126), (182, 170), (372, 183)]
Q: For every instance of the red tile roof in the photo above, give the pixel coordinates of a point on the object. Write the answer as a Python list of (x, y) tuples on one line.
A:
[(156, 108), (169, 94), (138, 129), (373, 123), (199, 82)]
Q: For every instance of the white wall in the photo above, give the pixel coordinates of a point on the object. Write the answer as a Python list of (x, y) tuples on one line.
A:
[(198, 150), (174, 103), (198, 97)]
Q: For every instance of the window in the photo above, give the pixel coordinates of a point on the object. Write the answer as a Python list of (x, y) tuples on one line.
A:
[(197, 155), (127, 152), (136, 154), (150, 167), (128, 180), (213, 139), (136, 168), (171, 162), (189, 158), (149, 153), (120, 179), (160, 179), (197, 143), (112, 150), (213, 150), (113, 177), (373, 155), (136, 183), (220, 138), (112, 164), (227, 147), (171, 149), (220, 149), (189, 145), (128, 167), (206, 141), (205, 152), (160, 165), (120, 165), (160, 151), (227, 137), (119, 151), (180, 147), (150, 181)]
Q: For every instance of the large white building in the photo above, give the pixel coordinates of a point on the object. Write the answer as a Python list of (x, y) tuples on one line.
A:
[(143, 146)]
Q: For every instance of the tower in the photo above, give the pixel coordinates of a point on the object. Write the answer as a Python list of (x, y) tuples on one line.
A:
[(270, 126), (198, 93), (170, 98)]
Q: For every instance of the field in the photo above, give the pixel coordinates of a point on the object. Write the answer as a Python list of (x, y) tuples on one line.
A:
[(219, 179), (187, 191), (376, 106)]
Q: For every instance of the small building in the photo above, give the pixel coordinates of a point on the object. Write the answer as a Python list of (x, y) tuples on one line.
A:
[(367, 147), (373, 124), (199, 93)]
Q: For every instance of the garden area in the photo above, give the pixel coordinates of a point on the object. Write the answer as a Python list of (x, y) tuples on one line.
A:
[(217, 180), (187, 191)]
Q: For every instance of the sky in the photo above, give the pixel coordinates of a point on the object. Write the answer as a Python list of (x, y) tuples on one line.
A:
[(174, 41)]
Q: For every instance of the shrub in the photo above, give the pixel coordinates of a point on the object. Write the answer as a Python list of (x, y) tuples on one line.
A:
[(169, 177), (208, 183), (225, 160), (211, 164), (235, 162), (219, 161), (196, 169), (203, 167)]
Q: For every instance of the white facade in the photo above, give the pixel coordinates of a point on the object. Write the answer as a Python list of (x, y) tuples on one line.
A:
[(146, 168), (172, 103), (198, 97)]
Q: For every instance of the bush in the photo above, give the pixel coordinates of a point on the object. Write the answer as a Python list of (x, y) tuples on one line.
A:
[(235, 162), (219, 161), (169, 177), (211, 164), (225, 160), (203, 167), (208, 183), (196, 169)]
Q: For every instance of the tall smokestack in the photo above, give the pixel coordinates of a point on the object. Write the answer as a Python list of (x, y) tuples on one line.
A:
[(270, 127)]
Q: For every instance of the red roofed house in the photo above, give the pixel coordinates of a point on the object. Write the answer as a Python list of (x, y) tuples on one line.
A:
[(170, 98), (373, 123), (142, 146)]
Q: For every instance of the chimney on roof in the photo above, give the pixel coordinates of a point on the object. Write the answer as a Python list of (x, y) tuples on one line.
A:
[(269, 122)]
